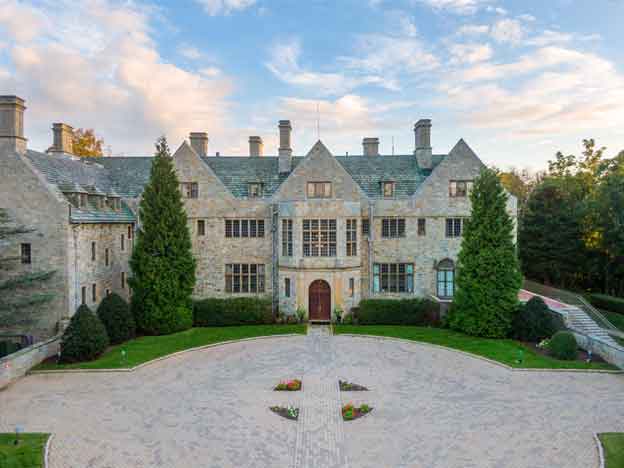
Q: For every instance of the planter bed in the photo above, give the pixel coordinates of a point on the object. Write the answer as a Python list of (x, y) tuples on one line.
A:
[(286, 412), (351, 387), (351, 412), (293, 385)]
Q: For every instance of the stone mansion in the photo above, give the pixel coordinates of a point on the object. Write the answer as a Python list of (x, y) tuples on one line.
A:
[(316, 231)]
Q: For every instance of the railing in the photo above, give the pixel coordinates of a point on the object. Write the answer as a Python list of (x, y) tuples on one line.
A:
[(575, 300)]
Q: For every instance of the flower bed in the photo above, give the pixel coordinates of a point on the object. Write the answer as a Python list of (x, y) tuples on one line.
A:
[(351, 412), (293, 385), (289, 412), (351, 387)]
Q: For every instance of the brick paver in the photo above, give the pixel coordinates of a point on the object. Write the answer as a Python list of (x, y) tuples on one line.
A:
[(434, 408)]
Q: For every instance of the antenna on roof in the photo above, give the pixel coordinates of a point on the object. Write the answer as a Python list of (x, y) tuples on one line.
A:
[(392, 146), (318, 121)]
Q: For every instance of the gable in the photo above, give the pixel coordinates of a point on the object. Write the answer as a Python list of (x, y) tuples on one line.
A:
[(319, 166)]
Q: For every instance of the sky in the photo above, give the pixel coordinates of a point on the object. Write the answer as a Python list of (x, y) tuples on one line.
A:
[(518, 80)]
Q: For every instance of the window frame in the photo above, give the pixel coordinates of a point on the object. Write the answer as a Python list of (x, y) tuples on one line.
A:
[(249, 276), (422, 226), (287, 287), (460, 188), (445, 276), (201, 227), (190, 190), (351, 287), (252, 227), (321, 242), (123, 242), (94, 292), (123, 280), (287, 237), (254, 190), (106, 256), (393, 228), (384, 186), (454, 228), (395, 280), (26, 253), (321, 189), (351, 237), (83, 295)]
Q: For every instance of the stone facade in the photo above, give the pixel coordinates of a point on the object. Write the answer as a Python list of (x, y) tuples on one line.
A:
[(418, 192)]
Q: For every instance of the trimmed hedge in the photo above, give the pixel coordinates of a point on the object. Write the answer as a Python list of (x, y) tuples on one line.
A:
[(610, 303), (534, 321), (85, 338), (116, 316), (398, 312), (214, 312), (563, 346)]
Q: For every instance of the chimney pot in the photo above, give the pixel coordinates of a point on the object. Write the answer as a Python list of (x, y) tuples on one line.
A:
[(63, 138), (284, 150), (371, 146), (256, 147), (199, 142), (12, 123)]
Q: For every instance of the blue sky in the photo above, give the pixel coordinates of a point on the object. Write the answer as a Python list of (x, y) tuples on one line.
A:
[(518, 80)]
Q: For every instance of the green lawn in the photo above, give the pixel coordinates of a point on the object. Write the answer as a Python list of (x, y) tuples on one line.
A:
[(616, 319), (504, 351), (146, 348), (613, 445), (27, 454)]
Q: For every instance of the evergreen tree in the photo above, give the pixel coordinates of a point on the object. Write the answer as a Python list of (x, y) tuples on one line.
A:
[(488, 278), (116, 316), (85, 338), (18, 291), (163, 266)]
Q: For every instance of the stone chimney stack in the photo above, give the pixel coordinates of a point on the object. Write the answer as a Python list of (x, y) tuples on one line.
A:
[(371, 146), (199, 142), (422, 133), (63, 138), (256, 147), (12, 123), (285, 151)]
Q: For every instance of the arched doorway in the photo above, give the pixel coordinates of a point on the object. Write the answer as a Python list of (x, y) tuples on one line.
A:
[(320, 301)]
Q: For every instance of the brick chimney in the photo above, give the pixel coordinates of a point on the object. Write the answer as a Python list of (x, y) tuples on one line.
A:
[(256, 147), (371, 146), (12, 123), (422, 134), (284, 150), (199, 142), (63, 138)]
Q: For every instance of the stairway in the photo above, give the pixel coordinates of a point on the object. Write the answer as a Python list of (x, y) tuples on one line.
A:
[(579, 320)]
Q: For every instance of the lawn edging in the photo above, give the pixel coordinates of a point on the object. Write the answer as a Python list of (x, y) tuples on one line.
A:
[(46, 452), (482, 358), (601, 458), (162, 358)]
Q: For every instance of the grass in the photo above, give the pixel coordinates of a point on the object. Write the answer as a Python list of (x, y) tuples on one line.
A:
[(146, 348), (504, 351), (613, 446), (27, 454)]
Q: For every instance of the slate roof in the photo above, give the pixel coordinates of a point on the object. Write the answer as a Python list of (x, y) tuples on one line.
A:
[(127, 176), (67, 173)]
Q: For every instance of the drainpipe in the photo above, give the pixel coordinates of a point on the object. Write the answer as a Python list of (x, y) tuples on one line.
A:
[(371, 235), (274, 259)]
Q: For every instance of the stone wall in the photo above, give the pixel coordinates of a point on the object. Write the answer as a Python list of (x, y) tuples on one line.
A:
[(16, 365)]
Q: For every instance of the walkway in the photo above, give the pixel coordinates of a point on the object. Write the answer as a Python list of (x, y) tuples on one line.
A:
[(433, 408)]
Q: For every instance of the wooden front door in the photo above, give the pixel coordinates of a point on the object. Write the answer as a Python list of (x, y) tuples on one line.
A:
[(320, 301)]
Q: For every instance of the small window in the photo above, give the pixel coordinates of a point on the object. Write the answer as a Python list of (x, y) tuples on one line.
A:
[(190, 189), (319, 190), (106, 257), (129, 232), (123, 243), (365, 227), (83, 200), (388, 189), (255, 190), (393, 228), (123, 280), (107, 292), (201, 227), (446, 279), (93, 251), (351, 237), (459, 188), (351, 287), (84, 295), (26, 254), (453, 227), (287, 237), (94, 292), (287, 287), (422, 226)]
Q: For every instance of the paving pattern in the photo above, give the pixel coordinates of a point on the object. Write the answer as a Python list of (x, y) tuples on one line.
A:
[(433, 408)]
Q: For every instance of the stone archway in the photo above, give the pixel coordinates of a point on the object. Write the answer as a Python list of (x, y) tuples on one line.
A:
[(320, 301)]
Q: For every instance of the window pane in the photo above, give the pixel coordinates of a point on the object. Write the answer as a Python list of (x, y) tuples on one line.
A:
[(244, 228), (236, 228)]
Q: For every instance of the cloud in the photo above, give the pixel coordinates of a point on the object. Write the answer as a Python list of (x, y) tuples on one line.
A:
[(473, 29), (508, 30), (225, 7), (460, 7), (527, 17), (189, 52), (470, 53), (104, 72)]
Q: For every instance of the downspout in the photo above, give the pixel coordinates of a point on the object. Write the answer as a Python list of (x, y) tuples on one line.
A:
[(371, 235), (274, 259)]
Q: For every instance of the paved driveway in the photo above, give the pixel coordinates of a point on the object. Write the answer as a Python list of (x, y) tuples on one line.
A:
[(433, 408)]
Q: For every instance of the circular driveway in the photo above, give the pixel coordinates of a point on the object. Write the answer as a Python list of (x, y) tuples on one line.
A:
[(209, 408)]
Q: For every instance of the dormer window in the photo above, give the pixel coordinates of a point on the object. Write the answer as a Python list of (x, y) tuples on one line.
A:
[(255, 190), (83, 200), (319, 190), (388, 189), (460, 188)]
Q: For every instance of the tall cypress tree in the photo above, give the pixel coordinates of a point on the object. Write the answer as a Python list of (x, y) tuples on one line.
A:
[(163, 267), (488, 276)]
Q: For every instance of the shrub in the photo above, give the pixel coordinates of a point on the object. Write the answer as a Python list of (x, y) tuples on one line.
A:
[(397, 312), (611, 303), (534, 321), (85, 338), (563, 346), (214, 312), (117, 318)]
